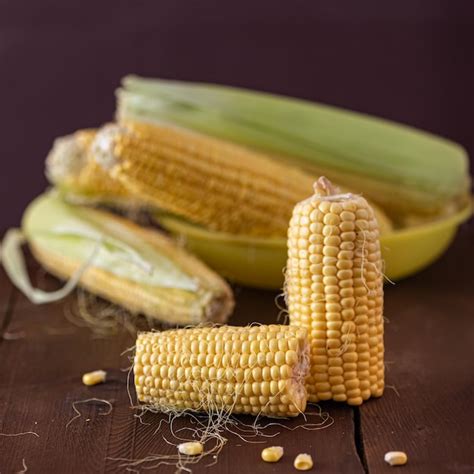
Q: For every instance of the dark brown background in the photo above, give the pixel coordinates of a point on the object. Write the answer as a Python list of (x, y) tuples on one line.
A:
[(410, 61)]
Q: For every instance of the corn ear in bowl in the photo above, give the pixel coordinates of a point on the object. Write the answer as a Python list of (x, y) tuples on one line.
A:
[(404, 170), (134, 267), (213, 183), (136, 165), (260, 262)]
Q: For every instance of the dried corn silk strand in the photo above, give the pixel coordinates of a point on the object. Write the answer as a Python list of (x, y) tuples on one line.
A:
[(210, 428), (88, 400)]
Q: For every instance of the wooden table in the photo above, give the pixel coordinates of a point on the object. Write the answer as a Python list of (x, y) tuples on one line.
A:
[(426, 411)]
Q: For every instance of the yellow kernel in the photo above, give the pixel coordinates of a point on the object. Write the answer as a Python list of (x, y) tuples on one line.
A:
[(272, 454), (331, 219), (396, 458), (280, 358), (285, 371), (347, 216), (303, 462), (257, 374), (265, 389), (93, 378), (291, 357), (191, 448)]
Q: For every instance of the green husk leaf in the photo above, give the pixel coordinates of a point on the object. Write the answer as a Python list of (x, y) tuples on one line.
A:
[(14, 264), (75, 231)]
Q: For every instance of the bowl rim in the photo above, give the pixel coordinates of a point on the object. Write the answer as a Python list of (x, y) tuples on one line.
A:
[(178, 225)]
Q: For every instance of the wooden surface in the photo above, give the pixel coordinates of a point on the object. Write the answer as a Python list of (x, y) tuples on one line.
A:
[(427, 412)]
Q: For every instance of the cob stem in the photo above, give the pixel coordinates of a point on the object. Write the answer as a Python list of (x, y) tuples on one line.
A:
[(324, 187)]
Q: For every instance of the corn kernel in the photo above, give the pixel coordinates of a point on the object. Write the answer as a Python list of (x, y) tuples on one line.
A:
[(191, 448), (396, 458), (93, 378), (272, 454), (303, 462)]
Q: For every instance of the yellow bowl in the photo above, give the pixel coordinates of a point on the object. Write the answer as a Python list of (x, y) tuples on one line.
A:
[(260, 262)]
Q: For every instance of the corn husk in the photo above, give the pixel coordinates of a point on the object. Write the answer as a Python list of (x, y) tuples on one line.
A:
[(405, 170), (137, 268)]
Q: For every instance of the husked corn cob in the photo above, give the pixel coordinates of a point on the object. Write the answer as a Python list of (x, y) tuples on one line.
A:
[(208, 181), (334, 288), (79, 178), (253, 369), (173, 287)]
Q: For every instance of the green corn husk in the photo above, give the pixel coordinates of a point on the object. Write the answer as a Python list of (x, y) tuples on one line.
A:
[(403, 169), (137, 268)]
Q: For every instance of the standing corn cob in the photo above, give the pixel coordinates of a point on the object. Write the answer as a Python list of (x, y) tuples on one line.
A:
[(253, 369), (335, 289), (78, 177), (210, 182)]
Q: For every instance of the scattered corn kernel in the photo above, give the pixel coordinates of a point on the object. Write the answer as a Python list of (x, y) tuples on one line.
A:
[(303, 462), (272, 454), (191, 448), (396, 458), (93, 378)]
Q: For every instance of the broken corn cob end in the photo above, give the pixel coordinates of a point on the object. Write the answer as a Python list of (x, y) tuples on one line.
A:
[(253, 370), (79, 178)]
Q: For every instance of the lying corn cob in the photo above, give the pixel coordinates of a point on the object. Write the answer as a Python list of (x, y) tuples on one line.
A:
[(405, 170), (253, 369), (137, 268), (210, 182), (79, 178), (334, 288)]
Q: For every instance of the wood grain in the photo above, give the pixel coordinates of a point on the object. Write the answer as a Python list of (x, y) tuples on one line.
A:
[(40, 379), (430, 362), (429, 341), (6, 301)]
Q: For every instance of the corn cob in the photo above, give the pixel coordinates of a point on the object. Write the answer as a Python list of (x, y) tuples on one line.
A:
[(254, 369), (334, 288), (80, 179), (402, 169), (210, 182), (137, 268)]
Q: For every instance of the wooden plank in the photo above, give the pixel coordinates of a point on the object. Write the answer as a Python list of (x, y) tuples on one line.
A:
[(6, 301), (429, 358), (40, 379), (333, 448)]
